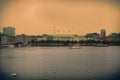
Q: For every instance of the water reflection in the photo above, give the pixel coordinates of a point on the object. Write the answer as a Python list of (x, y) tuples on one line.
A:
[(60, 63)]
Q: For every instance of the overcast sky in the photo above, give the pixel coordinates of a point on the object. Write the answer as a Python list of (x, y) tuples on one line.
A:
[(68, 16)]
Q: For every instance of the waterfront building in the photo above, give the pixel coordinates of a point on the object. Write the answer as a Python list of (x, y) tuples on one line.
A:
[(41, 38), (103, 34), (113, 37), (9, 31), (67, 37), (60, 37), (92, 36), (5, 40), (63, 37), (0, 37), (23, 39)]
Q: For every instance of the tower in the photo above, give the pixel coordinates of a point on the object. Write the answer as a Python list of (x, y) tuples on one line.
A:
[(103, 34)]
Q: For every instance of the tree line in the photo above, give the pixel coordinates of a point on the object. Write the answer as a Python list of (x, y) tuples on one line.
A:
[(68, 42)]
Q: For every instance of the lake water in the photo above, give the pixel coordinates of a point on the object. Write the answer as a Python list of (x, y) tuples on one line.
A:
[(60, 63)]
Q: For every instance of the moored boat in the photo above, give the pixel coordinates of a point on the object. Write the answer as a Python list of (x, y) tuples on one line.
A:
[(13, 74)]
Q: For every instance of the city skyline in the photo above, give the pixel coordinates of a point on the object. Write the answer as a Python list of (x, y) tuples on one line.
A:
[(57, 32), (68, 17)]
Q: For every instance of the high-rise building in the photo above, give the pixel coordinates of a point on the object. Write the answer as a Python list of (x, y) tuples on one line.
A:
[(103, 34), (10, 31)]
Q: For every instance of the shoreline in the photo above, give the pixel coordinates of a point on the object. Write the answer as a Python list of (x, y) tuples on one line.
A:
[(53, 46)]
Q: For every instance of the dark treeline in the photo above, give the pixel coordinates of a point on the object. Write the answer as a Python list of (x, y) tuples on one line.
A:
[(66, 43)]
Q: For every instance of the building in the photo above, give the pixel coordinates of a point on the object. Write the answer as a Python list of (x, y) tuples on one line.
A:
[(113, 37), (60, 37), (92, 36), (103, 34), (9, 31), (23, 39), (0, 37), (67, 37), (7, 40)]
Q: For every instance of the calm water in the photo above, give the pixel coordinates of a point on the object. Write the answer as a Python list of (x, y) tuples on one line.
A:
[(60, 63)]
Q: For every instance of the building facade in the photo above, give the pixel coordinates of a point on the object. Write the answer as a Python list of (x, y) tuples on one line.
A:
[(92, 36), (67, 37), (103, 34), (113, 37), (61, 37), (24, 39), (9, 31)]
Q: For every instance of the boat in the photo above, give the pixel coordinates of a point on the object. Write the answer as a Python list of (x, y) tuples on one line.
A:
[(13, 74), (74, 47)]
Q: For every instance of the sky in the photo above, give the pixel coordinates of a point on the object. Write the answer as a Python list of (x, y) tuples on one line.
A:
[(36, 17)]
